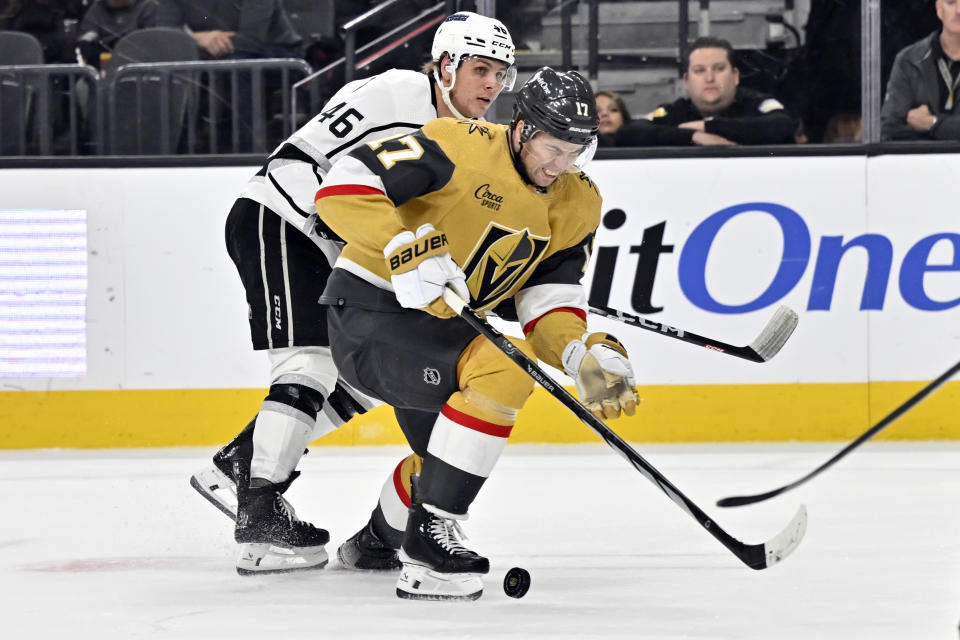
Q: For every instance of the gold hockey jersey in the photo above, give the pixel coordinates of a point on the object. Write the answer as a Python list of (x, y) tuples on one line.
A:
[(514, 241)]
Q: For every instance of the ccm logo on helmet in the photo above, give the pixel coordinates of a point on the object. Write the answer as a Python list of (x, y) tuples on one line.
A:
[(427, 245)]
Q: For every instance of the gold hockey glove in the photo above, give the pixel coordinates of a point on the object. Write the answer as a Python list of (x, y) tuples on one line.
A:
[(605, 381)]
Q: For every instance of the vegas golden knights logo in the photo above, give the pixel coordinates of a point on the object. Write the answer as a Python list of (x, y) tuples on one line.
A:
[(501, 257)]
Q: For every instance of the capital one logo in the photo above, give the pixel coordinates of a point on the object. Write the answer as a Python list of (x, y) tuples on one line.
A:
[(798, 255)]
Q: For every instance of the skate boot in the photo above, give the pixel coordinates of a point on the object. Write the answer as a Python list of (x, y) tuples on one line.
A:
[(436, 565), (272, 539), (218, 482), (365, 551)]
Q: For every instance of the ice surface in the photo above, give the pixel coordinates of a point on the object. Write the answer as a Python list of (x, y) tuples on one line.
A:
[(115, 544)]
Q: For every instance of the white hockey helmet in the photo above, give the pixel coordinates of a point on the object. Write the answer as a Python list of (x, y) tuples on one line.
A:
[(465, 34)]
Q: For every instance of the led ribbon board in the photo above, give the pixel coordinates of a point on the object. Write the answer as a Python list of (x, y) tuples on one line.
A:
[(43, 293)]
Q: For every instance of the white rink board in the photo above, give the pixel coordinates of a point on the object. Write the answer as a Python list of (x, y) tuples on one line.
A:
[(166, 309), (912, 205), (741, 263)]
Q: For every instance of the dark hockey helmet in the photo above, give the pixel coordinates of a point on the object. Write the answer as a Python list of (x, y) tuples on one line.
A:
[(559, 103)]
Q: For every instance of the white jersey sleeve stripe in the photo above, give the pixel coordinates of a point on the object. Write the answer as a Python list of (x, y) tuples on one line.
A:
[(362, 273), (537, 301)]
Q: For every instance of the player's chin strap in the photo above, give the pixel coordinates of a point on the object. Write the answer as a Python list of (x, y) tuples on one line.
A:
[(445, 91), (515, 156)]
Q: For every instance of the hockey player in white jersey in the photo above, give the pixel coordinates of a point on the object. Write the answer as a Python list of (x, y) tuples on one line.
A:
[(284, 253)]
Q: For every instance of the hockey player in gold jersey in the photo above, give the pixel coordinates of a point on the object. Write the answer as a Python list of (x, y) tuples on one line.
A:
[(284, 255), (505, 216)]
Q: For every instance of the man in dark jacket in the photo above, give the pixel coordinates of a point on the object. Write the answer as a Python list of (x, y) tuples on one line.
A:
[(107, 21), (924, 86), (717, 112), (234, 28)]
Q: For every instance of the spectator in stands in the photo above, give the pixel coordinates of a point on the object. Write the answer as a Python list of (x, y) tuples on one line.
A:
[(237, 30), (613, 114), (229, 29), (717, 111), (924, 86), (106, 21), (52, 22), (800, 134), (843, 127)]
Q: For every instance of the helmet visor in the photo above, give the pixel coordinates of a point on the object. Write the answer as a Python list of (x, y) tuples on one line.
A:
[(559, 155), (507, 78), (585, 156)]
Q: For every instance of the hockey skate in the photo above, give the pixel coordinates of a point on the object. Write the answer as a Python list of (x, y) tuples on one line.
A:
[(365, 551), (218, 482), (272, 539), (436, 565)]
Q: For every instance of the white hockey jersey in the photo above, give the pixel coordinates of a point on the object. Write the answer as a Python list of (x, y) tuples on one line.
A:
[(384, 105)]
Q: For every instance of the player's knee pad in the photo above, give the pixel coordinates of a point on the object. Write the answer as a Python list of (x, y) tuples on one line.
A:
[(307, 366), (486, 370), (295, 396), (348, 402)]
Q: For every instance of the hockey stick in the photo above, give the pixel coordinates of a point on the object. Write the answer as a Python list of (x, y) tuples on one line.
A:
[(768, 343), (737, 501), (755, 556)]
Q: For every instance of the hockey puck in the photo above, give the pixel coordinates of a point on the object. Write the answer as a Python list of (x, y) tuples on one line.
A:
[(516, 583)]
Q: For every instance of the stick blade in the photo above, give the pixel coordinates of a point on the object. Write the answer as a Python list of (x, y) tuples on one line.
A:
[(783, 544), (739, 501), (776, 333)]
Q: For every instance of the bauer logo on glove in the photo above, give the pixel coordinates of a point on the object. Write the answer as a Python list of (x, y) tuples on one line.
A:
[(605, 381), (420, 268), (420, 249)]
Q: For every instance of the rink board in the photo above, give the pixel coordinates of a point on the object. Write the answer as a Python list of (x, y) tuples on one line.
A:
[(708, 413), (867, 250)]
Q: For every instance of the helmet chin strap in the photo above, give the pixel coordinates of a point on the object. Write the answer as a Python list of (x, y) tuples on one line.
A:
[(517, 162), (445, 92)]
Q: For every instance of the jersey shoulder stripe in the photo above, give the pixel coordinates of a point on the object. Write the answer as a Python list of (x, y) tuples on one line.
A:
[(348, 190)]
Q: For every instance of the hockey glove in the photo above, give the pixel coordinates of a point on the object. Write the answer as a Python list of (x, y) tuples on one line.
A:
[(605, 382), (420, 267)]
